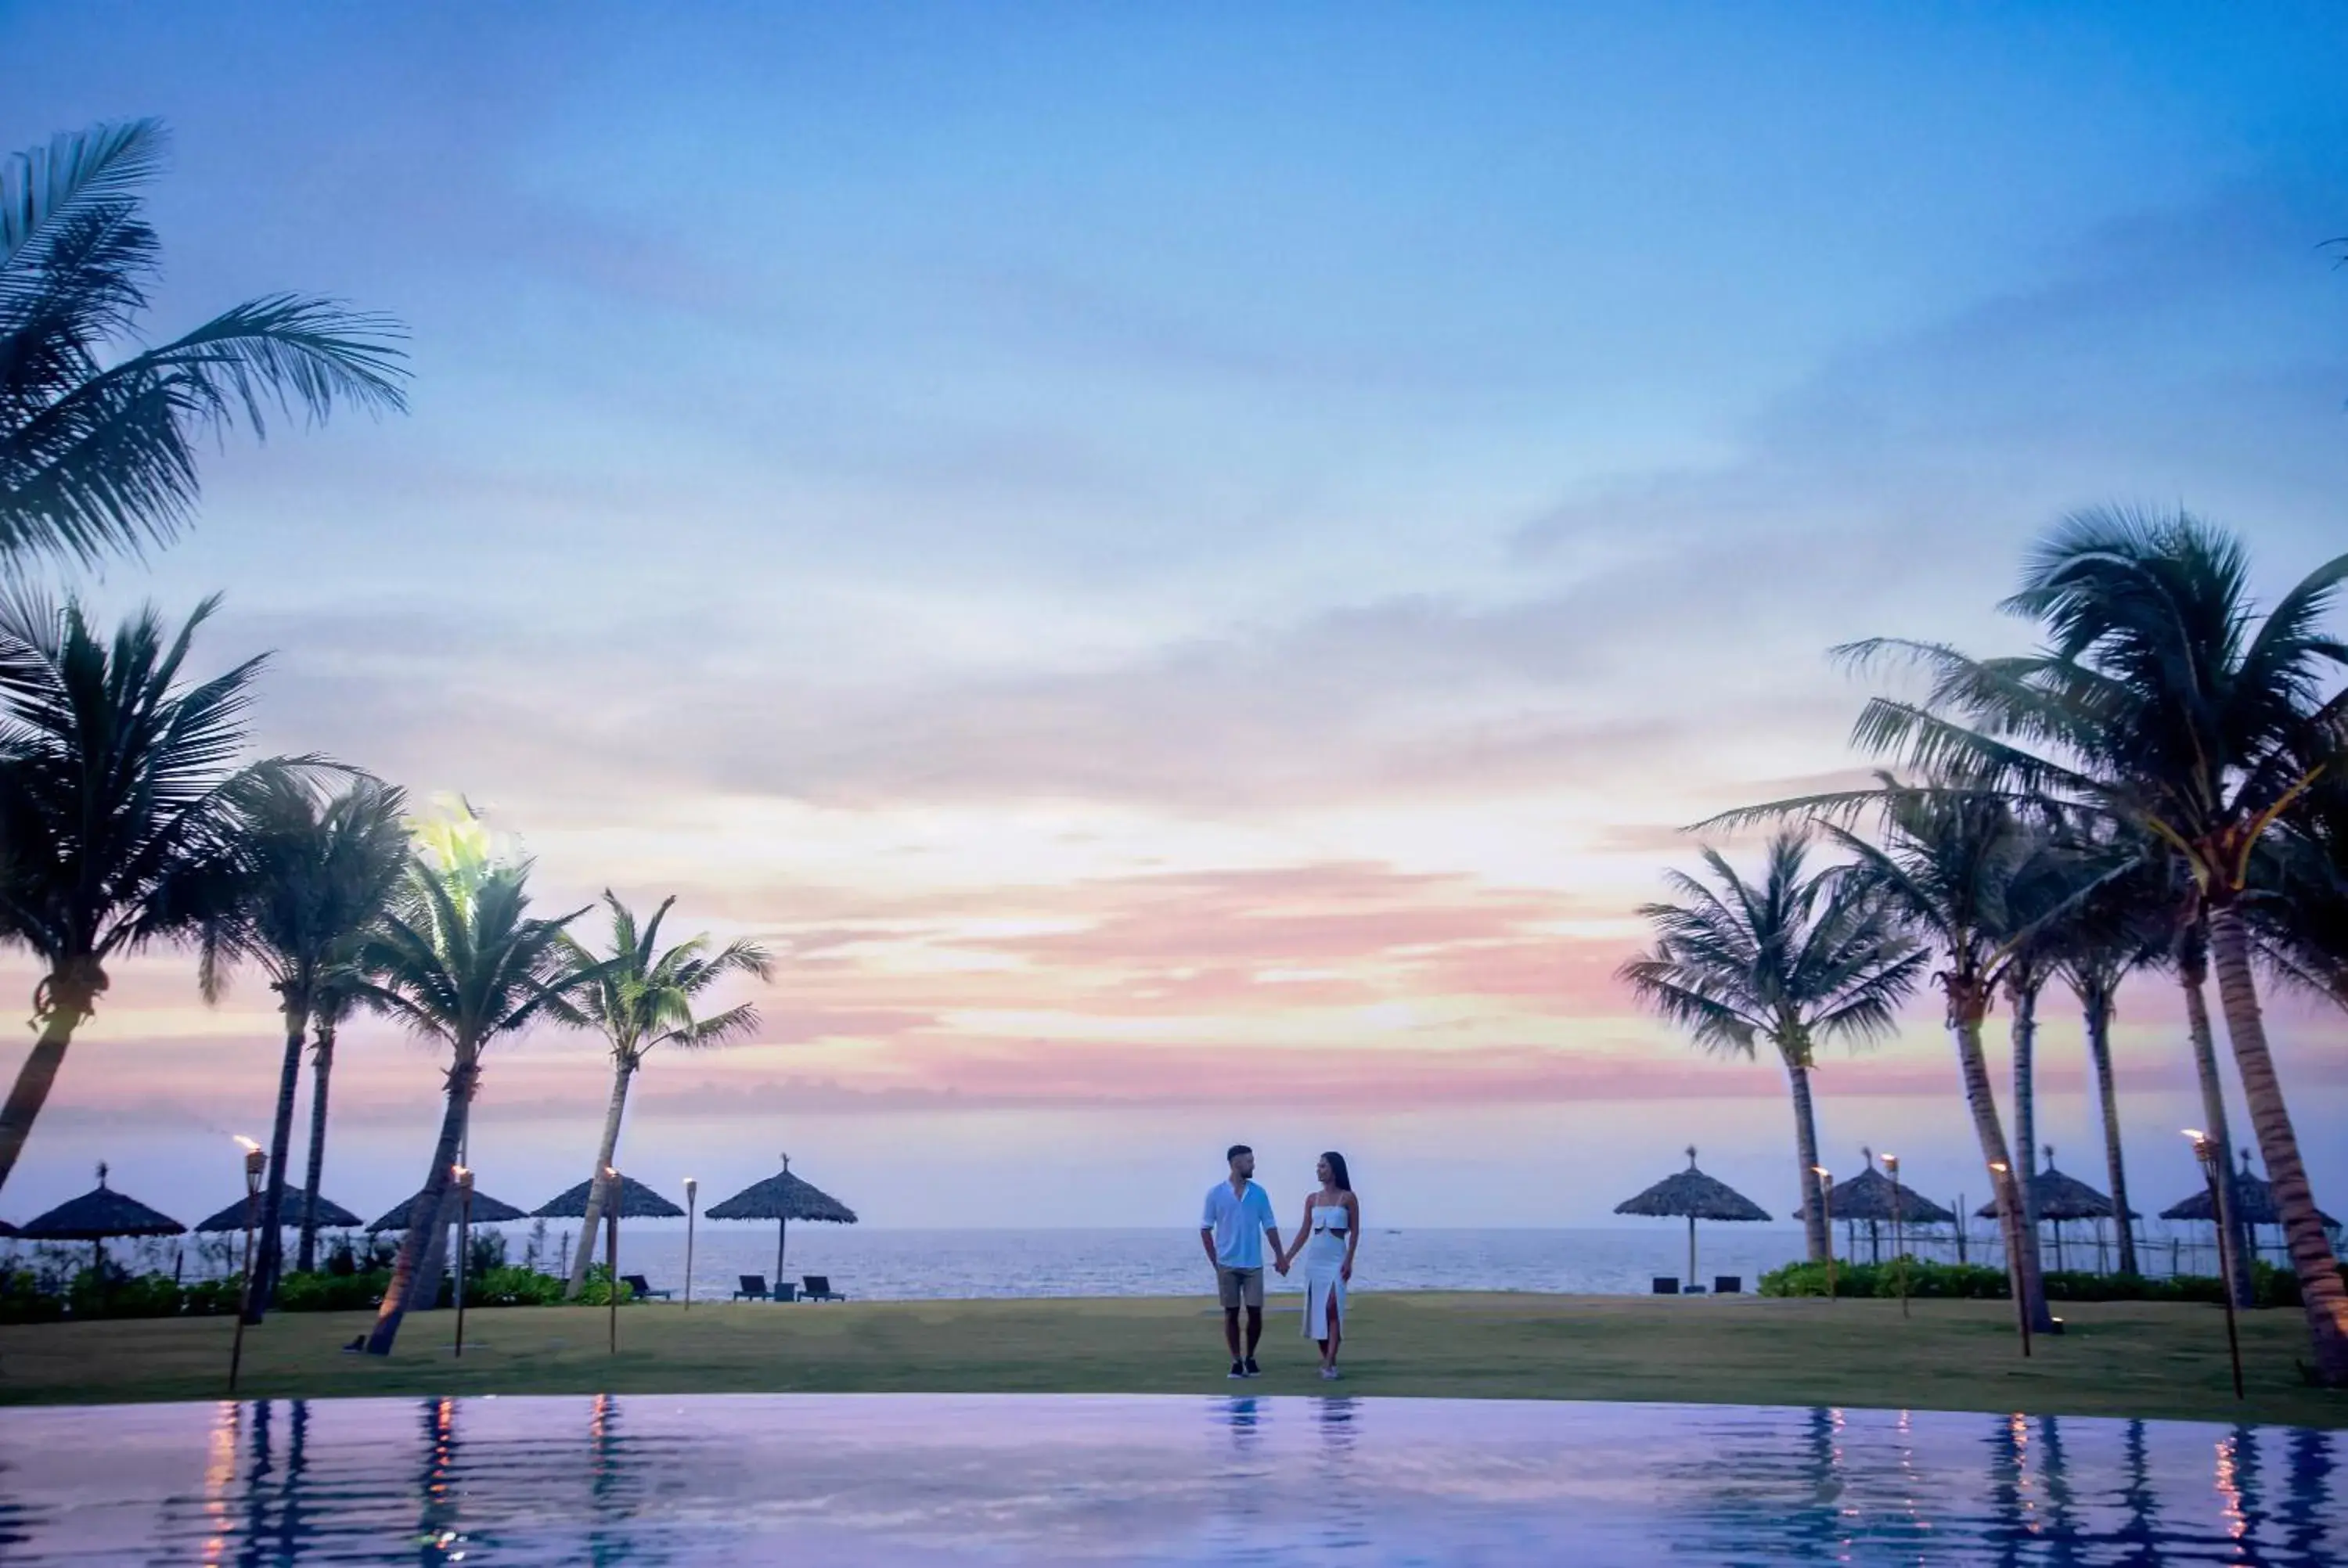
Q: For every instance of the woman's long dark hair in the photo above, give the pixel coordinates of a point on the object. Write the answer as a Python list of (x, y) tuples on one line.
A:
[(1337, 1172)]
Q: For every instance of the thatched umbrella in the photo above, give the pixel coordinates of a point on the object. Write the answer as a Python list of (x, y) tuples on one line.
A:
[(637, 1201), (486, 1211), (2254, 1203), (782, 1199), (1695, 1195), (332, 1215), (2057, 1198), (96, 1214), (1871, 1196)]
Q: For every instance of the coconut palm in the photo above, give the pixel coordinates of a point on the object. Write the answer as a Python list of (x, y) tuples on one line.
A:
[(1796, 961), (639, 997), (2167, 703), (120, 812), (2170, 705), (457, 959), (1953, 867), (97, 449), (338, 994), (319, 873)]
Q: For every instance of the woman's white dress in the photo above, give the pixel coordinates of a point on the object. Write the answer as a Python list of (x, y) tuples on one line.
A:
[(1325, 1255)]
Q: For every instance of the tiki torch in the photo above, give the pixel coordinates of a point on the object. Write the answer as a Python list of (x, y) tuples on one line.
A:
[(2009, 1221), (612, 1248), (464, 1245), (252, 1165), (1898, 1258), (2204, 1149), (1826, 1213)]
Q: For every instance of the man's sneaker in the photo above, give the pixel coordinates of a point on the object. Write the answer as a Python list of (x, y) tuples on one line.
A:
[(1239, 1370), (1250, 1369)]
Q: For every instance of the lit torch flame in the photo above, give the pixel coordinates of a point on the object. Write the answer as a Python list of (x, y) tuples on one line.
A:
[(247, 1144)]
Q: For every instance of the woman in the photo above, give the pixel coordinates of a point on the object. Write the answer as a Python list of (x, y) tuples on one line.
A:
[(1326, 1240)]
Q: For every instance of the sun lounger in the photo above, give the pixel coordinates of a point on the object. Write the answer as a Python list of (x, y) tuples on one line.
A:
[(753, 1288), (818, 1288), (1667, 1285), (1727, 1284), (641, 1288)]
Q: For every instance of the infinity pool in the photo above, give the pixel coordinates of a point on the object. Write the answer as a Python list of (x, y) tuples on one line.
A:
[(1054, 1480)]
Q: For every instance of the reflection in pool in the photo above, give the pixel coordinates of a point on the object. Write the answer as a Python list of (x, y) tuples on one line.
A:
[(996, 1478)]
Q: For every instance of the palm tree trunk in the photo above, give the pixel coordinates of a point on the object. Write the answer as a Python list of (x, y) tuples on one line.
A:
[(2097, 1001), (2021, 1262), (321, 1066), (424, 1219), (2320, 1292), (2192, 971), (609, 1150), (2026, 1125), (38, 1075), (1806, 1148), (281, 1148)]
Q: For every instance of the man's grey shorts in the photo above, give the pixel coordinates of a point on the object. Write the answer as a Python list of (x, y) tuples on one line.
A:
[(1239, 1286)]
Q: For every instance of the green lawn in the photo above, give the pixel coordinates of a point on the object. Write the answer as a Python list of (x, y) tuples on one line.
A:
[(2117, 1359)]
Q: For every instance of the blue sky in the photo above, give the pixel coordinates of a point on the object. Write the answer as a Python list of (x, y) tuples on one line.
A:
[(990, 498)]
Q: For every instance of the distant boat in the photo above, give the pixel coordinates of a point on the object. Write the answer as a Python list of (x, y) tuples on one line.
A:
[(1394, 1232)]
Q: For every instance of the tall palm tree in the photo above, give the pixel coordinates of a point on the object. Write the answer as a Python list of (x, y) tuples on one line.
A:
[(121, 812), (2047, 875), (98, 448), (339, 995), (639, 997), (2165, 701), (319, 873), (1795, 962), (457, 959), (1950, 868)]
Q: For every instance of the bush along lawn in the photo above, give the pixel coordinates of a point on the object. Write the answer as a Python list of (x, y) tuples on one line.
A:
[(25, 1297), (2273, 1286)]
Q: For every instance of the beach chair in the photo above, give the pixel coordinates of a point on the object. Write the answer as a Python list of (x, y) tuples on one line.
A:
[(818, 1288), (1727, 1284), (1667, 1285), (641, 1288), (753, 1288)]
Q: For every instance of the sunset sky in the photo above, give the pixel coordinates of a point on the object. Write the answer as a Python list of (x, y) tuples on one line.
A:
[(1184, 568)]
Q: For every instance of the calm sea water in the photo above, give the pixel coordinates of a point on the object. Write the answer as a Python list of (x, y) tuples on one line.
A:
[(1065, 1480), (917, 1265)]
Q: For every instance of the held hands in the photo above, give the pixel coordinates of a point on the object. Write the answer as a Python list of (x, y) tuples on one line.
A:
[(1280, 1263)]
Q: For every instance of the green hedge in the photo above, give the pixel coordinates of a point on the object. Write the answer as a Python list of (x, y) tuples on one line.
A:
[(2271, 1287)]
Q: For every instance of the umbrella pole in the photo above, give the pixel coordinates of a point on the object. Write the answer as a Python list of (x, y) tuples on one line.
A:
[(780, 1223), (1691, 1279)]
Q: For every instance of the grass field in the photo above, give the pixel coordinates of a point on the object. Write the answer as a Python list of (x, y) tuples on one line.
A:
[(2165, 1362)]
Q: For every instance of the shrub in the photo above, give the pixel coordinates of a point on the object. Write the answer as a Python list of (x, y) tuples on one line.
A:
[(22, 1299), (2271, 1287), (116, 1295), (510, 1285), (597, 1292), (331, 1290)]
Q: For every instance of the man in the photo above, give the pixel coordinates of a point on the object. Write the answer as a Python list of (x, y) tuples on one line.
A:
[(1232, 1230)]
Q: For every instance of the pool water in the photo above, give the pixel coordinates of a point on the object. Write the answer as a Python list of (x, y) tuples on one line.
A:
[(1060, 1479)]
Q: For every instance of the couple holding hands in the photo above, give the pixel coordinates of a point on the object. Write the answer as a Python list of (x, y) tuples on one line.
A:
[(1238, 1217)]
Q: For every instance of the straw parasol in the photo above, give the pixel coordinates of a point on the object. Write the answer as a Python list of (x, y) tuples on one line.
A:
[(2254, 1203), (1695, 1195), (332, 1215), (486, 1211), (782, 1199), (96, 1214), (1869, 1196), (637, 1201), (2057, 1198)]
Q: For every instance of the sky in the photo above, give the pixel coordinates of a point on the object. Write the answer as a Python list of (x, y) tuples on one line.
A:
[(1185, 570)]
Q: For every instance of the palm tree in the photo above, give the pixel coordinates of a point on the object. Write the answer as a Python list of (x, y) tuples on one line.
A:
[(338, 996), (1795, 962), (1952, 869), (457, 958), (2046, 876), (98, 456), (639, 997), (2165, 702), (121, 812), (319, 873)]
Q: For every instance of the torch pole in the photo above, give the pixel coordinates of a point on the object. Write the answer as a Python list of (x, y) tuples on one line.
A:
[(2212, 1167), (612, 1251), (1899, 1257), (252, 1165), (464, 1245), (1826, 1213)]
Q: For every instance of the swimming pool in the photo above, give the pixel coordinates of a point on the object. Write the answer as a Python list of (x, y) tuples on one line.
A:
[(1067, 1478)]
